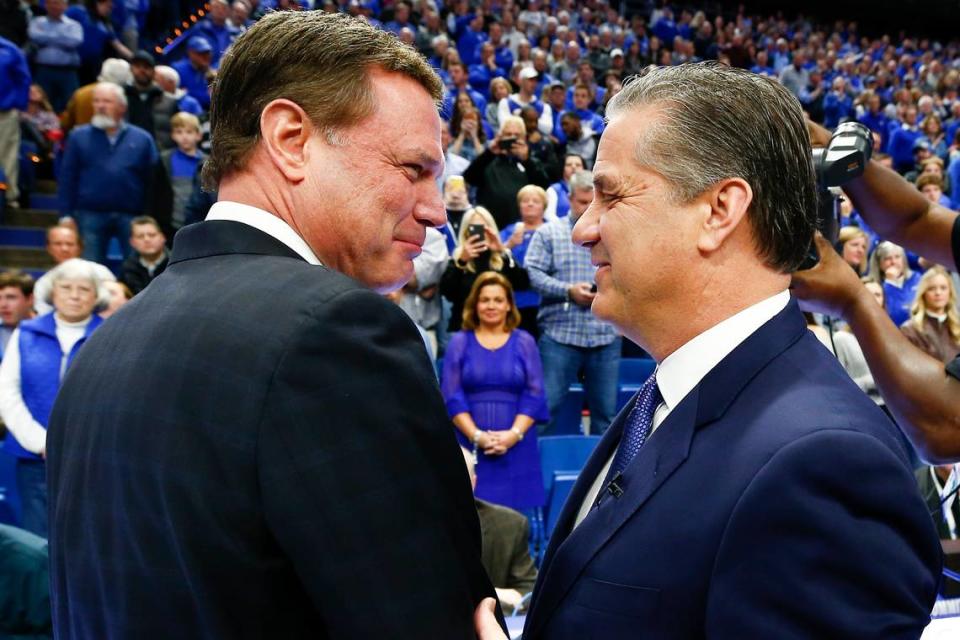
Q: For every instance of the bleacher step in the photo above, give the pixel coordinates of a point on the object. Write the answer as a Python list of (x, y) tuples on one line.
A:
[(28, 259), (42, 218)]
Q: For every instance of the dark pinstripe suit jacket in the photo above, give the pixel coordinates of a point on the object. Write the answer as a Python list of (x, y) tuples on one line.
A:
[(256, 448)]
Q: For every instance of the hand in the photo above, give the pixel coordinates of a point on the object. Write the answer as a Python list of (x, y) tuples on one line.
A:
[(581, 294), (819, 135), (892, 273), (470, 127), (497, 446), (509, 597), (517, 236), (473, 247), (485, 621), (494, 146), (831, 287), (493, 240), (520, 150)]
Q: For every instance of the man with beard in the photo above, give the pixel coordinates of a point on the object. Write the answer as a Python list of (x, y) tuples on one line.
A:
[(106, 174)]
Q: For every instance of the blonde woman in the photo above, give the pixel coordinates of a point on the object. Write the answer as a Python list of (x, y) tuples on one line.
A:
[(934, 324), (479, 249), (854, 245)]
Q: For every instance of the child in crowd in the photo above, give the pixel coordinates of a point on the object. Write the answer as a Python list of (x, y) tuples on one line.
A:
[(180, 165)]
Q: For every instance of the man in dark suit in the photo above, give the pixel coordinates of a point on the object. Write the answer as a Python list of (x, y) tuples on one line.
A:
[(749, 490), (275, 461)]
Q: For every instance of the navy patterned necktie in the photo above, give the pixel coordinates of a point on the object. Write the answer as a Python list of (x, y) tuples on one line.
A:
[(638, 425)]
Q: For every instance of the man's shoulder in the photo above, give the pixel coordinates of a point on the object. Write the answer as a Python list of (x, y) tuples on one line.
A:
[(499, 515)]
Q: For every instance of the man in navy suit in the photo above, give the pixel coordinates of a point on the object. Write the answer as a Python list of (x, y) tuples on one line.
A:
[(257, 447), (750, 490)]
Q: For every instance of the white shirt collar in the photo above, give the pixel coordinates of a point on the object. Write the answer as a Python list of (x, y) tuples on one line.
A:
[(265, 222), (683, 369)]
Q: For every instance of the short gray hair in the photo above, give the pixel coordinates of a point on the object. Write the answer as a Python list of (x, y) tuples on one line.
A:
[(169, 73), (716, 122), (580, 181), (116, 89), (115, 70), (79, 269)]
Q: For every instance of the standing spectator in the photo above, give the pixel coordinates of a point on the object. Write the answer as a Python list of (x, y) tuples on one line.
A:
[(63, 243), (454, 164), (889, 267), (813, 96), (571, 338), (148, 106), (934, 324), (168, 79), (420, 297), (36, 359), (57, 39), (193, 70), (503, 169), (512, 104), (541, 147), (467, 128), (837, 105), (80, 107), (493, 386), (532, 201), (107, 174), (579, 140), (14, 20), (566, 70), (875, 118), (558, 195), (795, 77), (100, 39), (903, 140), (216, 30), (14, 96), (499, 89), (933, 134), (149, 256), (474, 255), (16, 303), (177, 168)]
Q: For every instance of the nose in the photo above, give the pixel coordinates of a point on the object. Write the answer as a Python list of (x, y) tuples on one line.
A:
[(586, 232), (430, 209)]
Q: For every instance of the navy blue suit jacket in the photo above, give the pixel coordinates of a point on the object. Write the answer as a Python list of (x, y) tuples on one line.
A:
[(255, 447), (774, 501)]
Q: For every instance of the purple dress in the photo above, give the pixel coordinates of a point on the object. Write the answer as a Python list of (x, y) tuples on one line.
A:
[(494, 386)]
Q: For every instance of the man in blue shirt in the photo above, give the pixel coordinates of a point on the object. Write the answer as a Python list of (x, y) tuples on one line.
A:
[(216, 30), (57, 38), (837, 105), (14, 94), (469, 41), (106, 175), (193, 70), (571, 338)]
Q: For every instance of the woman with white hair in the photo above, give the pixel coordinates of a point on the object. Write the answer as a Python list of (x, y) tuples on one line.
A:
[(36, 359), (889, 267)]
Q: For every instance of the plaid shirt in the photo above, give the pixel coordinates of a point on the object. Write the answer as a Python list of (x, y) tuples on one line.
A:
[(555, 264)]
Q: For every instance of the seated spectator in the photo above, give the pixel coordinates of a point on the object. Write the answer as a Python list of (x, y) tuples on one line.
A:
[(512, 104), (459, 83), (100, 38), (120, 295), (37, 357), (889, 267), (933, 134), (476, 254), (176, 170), (215, 30), (63, 243), (903, 140), (503, 169), (499, 90), (558, 195), (148, 106), (16, 303), (193, 70), (107, 174), (532, 201), (875, 119), (239, 19), (837, 105), (579, 140), (921, 155), (149, 256), (590, 121), (457, 203), (454, 164), (506, 550), (57, 39), (934, 324), (486, 69), (467, 128), (80, 108), (24, 585), (168, 79), (492, 383), (853, 246), (932, 187)]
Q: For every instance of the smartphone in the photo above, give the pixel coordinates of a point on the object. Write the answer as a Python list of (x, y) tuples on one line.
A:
[(476, 231), (507, 143), (593, 288)]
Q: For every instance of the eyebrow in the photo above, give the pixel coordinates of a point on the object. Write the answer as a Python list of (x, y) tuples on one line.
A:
[(604, 182)]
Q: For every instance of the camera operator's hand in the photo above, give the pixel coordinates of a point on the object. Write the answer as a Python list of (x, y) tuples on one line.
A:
[(819, 135), (831, 286), (520, 150), (472, 248)]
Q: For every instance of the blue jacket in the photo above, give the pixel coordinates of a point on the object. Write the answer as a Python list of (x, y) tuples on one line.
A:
[(775, 501), (40, 358), (901, 147), (880, 123), (193, 81), (835, 109), (14, 77), (98, 176)]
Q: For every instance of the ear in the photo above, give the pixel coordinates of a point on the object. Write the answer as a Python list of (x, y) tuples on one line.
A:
[(729, 201), (286, 129)]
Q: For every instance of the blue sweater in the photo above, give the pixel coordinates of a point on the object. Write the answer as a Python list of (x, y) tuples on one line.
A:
[(40, 358), (98, 176), (14, 77)]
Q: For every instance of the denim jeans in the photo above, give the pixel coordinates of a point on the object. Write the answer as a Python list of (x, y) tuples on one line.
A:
[(601, 373), (32, 485), (96, 229), (58, 82)]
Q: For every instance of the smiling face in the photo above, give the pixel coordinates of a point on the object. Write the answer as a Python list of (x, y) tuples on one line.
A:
[(492, 306), (531, 209), (369, 201), (638, 234), (854, 251)]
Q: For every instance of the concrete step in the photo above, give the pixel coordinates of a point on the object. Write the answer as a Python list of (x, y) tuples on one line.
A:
[(25, 258), (41, 218)]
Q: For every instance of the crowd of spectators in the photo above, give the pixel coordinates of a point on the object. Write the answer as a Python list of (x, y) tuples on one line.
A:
[(501, 292)]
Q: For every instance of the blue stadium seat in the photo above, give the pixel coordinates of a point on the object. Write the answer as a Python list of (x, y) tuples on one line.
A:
[(569, 418), (563, 482), (564, 453)]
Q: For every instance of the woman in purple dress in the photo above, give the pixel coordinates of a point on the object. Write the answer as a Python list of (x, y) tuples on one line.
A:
[(493, 387)]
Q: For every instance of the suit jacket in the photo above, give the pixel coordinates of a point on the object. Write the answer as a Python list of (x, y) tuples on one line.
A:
[(506, 550), (257, 448), (774, 501)]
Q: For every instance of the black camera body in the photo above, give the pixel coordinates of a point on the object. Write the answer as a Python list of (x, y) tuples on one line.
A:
[(844, 158)]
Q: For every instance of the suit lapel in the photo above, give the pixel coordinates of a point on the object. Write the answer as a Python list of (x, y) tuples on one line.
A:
[(660, 457)]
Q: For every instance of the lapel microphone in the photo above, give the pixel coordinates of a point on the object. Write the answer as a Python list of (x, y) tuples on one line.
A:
[(613, 488)]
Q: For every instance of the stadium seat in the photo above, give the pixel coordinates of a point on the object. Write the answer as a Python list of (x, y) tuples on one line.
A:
[(569, 418), (564, 453), (562, 484)]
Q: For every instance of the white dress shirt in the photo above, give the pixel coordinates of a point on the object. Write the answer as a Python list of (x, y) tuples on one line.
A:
[(265, 222), (683, 369)]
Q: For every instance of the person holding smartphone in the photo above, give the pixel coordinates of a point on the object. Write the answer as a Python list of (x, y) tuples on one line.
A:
[(479, 249)]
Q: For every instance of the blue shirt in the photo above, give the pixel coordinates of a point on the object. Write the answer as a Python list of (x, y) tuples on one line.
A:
[(526, 298), (57, 41), (14, 77), (194, 82), (554, 264)]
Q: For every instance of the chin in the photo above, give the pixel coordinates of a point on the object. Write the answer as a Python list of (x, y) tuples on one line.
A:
[(391, 280)]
